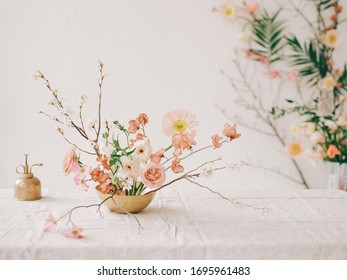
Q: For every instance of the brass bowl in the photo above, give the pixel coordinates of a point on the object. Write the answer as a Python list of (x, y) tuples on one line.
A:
[(123, 204)]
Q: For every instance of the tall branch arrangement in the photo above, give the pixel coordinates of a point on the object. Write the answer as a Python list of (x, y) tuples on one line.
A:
[(126, 164), (320, 85)]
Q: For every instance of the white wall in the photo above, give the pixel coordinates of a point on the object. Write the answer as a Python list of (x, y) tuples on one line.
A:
[(159, 55)]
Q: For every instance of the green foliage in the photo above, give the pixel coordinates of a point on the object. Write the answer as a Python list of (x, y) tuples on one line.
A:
[(310, 59), (269, 37)]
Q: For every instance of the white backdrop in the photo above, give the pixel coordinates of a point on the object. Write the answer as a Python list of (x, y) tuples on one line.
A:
[(159, 55)]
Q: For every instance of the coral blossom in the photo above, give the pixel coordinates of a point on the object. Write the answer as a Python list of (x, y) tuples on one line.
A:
[(176, 167), (156, 157), (153, 175), (230, 131), (333, 151), (133, 126), (142, 119), (182, 142), (216, 141)]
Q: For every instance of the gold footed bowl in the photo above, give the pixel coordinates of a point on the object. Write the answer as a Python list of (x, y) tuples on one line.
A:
[(123, 204)]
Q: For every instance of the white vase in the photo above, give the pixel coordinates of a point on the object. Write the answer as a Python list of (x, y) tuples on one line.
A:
[(337, 178)]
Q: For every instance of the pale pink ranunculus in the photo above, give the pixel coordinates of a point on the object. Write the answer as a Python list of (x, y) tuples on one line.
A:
[(176, 167), (182, 142), (70, 161), (179, 121), (153, 175), (142, 119), (316, 138), (74, 232), (50, 224), (216, 139), (251, 8), (133, 126), (230, 131)]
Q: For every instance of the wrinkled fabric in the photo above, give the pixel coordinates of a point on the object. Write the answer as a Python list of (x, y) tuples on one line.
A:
[(182, 222)]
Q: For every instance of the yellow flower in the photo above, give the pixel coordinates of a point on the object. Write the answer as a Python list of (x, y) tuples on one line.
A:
[(294, 149), (331, 38)]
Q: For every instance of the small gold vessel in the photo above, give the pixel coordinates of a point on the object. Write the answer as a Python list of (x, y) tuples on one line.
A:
[(27, 187)]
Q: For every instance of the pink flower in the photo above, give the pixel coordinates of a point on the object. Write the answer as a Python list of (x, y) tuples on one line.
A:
[(156, 157), (74, 232), (70, 162), (50, 224), (251, 8), (179, 121), (248, 54), (216, 141), (142, 119), (182, 142), (291, 76), (263, 59), (274, 74), (230, 131), (80, 178), (176, 167), (133, 126), (153, 175), (214, 9)]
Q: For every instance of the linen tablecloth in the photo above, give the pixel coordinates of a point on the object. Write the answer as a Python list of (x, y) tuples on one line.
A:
[(182, 222)]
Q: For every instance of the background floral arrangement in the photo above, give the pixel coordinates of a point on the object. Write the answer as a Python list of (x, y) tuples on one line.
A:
[(125, 161), (320, 83)]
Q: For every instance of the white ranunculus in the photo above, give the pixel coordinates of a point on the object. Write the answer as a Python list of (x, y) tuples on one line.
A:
[(313, 156), (307, 128), (143, 150), (328, 83), (332, 125), (317, 137), (131, 168)]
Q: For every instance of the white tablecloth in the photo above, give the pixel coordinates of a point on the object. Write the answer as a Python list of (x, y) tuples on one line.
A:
[(183, 222)]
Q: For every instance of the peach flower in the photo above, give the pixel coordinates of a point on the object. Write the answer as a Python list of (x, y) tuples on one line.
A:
[(228, 11), (142, 119), (331, 38), (179, 121), (153, 175), (216, 141), (176, 167), (251, 8), (230, 131), (133, 126), (156, 157), (333, 151), (70, 162), (182, 142), (294, 149)]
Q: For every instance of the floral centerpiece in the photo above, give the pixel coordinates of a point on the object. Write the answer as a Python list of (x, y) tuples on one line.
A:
[(126, 164)]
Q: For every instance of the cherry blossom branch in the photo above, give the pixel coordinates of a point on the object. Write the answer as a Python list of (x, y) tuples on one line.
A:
[(101, 80), (50, 117)]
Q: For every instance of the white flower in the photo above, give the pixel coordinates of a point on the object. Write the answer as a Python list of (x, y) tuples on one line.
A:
[(38, 75), (313, 156), (245, 37), (238, 166), (143, 150), (106, 149), (295, 129), (92, 124), (331, 125), (66, 111), (130, 167), (342, 121), (316, 137), (307, 128), (328, 83)]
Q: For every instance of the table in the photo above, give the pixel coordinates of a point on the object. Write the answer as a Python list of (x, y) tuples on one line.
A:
[(182, 222)]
